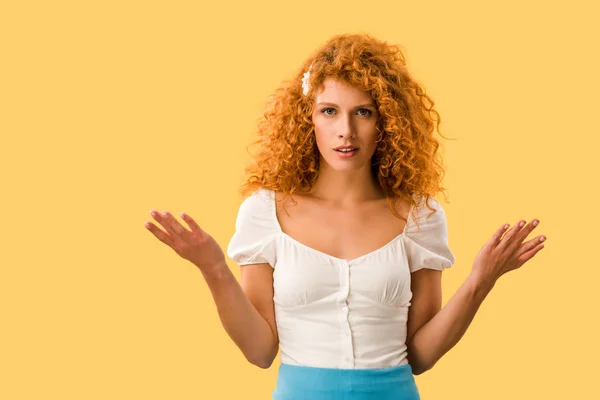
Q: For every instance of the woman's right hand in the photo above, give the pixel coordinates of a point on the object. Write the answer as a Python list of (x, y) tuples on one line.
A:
[(196, 245)]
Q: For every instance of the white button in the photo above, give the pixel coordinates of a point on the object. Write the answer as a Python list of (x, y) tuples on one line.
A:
[(345, 309)]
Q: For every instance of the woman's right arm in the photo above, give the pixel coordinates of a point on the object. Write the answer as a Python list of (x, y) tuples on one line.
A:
[(247, 310)]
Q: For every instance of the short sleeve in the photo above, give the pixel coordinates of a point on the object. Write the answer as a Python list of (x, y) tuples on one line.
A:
[(253, 241), (427, 245)]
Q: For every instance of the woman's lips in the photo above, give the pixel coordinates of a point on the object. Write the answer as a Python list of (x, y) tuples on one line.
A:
[(346, 154)]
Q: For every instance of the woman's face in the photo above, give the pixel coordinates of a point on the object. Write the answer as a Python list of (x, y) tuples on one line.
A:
[(345, 116)]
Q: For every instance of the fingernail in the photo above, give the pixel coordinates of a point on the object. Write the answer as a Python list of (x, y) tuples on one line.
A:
[(153, 213), (521, 223), (542, 239), (536, 222)]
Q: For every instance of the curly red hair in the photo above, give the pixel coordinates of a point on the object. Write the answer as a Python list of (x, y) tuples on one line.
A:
[(406, 160)]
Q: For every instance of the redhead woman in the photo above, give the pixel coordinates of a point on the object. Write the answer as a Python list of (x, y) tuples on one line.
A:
[(340, 240)]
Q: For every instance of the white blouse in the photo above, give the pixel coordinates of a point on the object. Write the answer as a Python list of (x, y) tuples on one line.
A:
[(336, 313)]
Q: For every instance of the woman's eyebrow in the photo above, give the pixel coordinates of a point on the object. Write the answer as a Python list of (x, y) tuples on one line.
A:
[(335, 105)]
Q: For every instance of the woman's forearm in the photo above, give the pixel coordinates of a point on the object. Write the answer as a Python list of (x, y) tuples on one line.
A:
[(436, 337), (243, 323)]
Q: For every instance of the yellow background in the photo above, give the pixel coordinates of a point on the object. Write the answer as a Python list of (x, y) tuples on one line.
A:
[(109, 109)]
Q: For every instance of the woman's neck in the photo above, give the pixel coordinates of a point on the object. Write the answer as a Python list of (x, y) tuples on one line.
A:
[(346, 188)]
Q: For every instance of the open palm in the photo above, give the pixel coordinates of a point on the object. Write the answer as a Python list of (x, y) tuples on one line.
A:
[(195, 245)]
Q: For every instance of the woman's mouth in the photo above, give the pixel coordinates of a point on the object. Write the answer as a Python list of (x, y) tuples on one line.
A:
[(346, 153)]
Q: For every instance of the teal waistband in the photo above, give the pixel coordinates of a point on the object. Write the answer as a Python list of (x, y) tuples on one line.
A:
[(300, 382)]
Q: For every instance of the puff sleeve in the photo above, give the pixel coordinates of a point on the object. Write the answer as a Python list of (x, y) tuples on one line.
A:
[(254, 239), (427, 245)]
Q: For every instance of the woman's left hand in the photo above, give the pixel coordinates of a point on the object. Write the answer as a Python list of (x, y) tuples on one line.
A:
[(502, 254)]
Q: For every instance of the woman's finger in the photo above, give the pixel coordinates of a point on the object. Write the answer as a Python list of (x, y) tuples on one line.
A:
[(171, 224), (498, 234), (517, 240), (530, 244), (522, 235), (510, 235), (528, 255), (191, 223), (156, 231)]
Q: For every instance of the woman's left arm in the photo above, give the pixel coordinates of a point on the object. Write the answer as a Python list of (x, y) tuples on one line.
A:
[(433, 330)]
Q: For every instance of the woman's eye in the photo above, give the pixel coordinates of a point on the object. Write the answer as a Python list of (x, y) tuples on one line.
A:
[(366, 114)]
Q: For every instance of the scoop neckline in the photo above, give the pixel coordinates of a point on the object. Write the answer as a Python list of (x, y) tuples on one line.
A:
[(272, 203)]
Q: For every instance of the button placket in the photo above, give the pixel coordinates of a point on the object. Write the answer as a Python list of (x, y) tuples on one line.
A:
[(343, 316)]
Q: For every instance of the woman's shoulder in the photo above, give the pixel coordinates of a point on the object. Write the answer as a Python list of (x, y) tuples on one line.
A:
[(427, 221), (256, 214), (257, 211), (426, 208), (259, 200), (403, 206)]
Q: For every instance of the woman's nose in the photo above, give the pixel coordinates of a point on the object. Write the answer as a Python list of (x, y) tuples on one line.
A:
[(345, 128)]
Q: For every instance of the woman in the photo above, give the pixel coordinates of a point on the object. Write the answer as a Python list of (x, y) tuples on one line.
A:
[(341, 242)]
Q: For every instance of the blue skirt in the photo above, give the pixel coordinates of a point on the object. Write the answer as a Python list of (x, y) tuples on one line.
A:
[(311, 383)]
